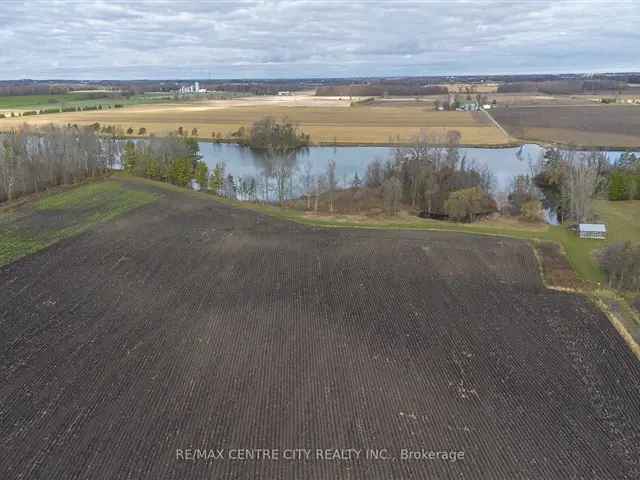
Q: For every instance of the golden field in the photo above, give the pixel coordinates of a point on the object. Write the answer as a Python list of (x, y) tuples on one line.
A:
[(327, 120)]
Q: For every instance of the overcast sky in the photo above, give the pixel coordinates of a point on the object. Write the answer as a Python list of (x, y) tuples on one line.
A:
[(312, 38)]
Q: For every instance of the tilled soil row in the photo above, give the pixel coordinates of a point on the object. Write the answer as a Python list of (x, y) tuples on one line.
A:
[(190, 324)]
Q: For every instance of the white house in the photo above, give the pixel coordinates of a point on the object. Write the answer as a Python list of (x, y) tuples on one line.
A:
[(592, 230)]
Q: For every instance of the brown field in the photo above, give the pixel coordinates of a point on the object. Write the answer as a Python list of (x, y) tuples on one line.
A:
[(327, 120), (191, 324), (615, 126), (474, 87)]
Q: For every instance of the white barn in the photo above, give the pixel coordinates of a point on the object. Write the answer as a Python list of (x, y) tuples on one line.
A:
[(592, 230)]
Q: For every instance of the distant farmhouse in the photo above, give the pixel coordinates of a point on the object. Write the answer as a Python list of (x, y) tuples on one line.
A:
[(191, 89), (468, 107)]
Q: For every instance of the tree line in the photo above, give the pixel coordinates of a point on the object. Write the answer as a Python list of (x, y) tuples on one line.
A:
[(570, 180), (172, 159), (32, 159), (621, 264), (437, 180), (177, 160), (624, 178), (560, 87), (379, 89)]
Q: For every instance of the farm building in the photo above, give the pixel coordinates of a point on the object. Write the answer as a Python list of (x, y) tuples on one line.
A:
[(469, 107), (592, 230)]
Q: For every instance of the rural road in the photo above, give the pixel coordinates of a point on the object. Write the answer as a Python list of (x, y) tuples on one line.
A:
[(187, 324), (495, 122)]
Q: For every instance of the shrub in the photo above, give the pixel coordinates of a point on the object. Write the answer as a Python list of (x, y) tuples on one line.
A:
[(621, 264), (531, 211), (467, 204)]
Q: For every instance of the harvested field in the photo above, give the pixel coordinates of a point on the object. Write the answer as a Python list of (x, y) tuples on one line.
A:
[(613, 126), (190, 324), (556, 267), (327, 123)]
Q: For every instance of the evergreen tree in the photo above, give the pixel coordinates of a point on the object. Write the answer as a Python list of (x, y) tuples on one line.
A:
[(617, 186), (153, 169), (202, 174), (194, 151), (180, 171), (252, 189), (230, 187), (357, 183), (129, 160), (216, 181)]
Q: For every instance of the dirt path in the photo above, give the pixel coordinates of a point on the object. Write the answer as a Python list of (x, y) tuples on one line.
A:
[(189, 324), (498, 126)]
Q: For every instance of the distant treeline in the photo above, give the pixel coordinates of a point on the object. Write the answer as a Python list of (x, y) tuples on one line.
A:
[(257, 88), (562, 86), (73, 108), (378, 89), (32, 89)]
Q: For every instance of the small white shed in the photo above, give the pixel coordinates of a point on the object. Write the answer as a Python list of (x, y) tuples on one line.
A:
[(592, 230)]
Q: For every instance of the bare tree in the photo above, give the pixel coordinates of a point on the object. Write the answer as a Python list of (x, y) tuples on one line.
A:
[(621, 264), (33, 158), (582, 180), (392, 193), (374, 175), (320, 185), (307, 182), (331, 184)]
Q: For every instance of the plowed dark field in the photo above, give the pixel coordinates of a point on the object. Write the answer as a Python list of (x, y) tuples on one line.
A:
[(190, 324), (614, 126)]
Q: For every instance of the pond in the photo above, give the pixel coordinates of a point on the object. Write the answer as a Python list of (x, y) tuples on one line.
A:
[(503, 163), (242, 162)]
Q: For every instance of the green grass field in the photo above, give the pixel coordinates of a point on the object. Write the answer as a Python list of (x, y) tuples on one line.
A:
[(80, 99), (34, 226), (623, 224), (29, 101)]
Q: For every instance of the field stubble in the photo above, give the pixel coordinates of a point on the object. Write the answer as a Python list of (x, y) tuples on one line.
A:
[(328, 123), (614, 126)]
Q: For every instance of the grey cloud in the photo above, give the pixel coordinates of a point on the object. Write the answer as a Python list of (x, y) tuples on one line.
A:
[(182, 38)]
